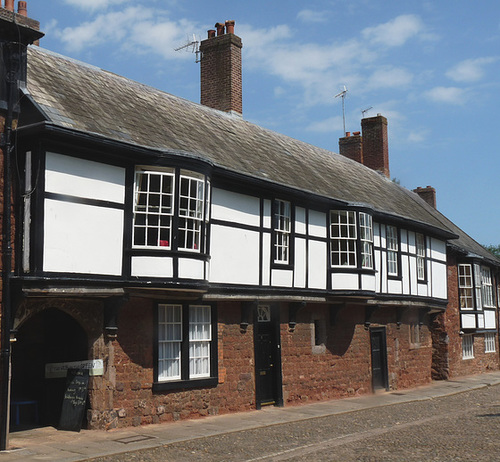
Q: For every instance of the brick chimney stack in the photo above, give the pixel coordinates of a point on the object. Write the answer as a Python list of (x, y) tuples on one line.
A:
[(221, 76), (352, 146), (428, 194), (375, 144)]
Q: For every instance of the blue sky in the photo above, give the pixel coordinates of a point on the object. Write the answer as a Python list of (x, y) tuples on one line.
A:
[(430, 67)]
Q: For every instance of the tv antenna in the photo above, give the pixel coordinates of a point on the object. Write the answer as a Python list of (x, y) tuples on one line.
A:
[(342, 95), (193, 45), (365, 111)]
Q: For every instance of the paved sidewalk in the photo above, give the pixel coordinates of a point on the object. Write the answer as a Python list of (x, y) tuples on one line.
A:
[(48, 444)]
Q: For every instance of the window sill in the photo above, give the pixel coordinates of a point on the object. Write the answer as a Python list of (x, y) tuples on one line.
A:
[(394, 277), (208, 382)]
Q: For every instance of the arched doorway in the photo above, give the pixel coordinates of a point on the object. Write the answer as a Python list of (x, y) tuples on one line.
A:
[(50, 336)]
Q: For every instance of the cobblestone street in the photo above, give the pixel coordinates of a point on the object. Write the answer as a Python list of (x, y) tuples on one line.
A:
[(460, 427)]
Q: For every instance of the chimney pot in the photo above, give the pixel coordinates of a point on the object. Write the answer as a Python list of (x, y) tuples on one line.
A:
[(9, 5), (211, 33), (220, 28), (230, 27), (347, 134), (356, 133), (22, 8)]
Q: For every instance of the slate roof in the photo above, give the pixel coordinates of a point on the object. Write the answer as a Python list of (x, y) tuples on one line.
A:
[(85, 98)]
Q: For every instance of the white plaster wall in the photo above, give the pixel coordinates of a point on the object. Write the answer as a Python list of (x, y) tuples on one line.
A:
[(438, 249), (438, 280), (480, 321), (378, 270), (423, 290), (266, 259), (235, 255), (413, 276), (154, 267), (317, 224), (489, 319), (84, 178), (395, 286), (82, 238), (368, 282), (267, 223), (300, 263), (300, 220), (317, 265), (345, 281), (281, 278), (376, 234), (404, 240), (235, 208), (405, 271), (190, 268), (468, 321)]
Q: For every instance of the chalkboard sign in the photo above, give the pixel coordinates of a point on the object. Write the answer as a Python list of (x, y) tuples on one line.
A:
[(75, 398)]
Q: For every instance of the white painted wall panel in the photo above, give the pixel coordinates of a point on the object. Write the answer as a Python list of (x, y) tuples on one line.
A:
[(376, 234), (317, 224), (438, 280), (300, 263), (82, 238), (84, 178), (480, 321), (468, 321), (317, 265), (153, 267), (489, 319), (266, 259), (422, 290), (368, 282), (267, 223), (281, 278), (190, 268), (438, 249), (405, 269), (383, 271), (413, 276), (404, 240), (378, 271), (345, 281), (300, 220), (234, 207), (395, 286), (235, 255), (411, 243)]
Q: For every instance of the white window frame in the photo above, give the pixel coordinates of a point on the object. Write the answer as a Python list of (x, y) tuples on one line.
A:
[(415, 335), (153, 209), (343, 236), (490, 342), (282, 231), (468, 347), (169, 342), (420, 250), (191, 212), (487, 288), (465, 286), (366, 238), (171, 337), (392, 244)]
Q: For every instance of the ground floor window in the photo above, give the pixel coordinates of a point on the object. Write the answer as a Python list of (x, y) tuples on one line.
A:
[(415, 335), (186, 343), (467, 347), (490, 342)]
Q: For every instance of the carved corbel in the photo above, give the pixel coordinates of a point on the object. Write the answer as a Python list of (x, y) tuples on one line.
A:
[(247, 310), (112, 308), (293, 309)]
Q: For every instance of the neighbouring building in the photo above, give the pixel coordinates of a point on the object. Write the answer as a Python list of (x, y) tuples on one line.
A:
[(199, 264)]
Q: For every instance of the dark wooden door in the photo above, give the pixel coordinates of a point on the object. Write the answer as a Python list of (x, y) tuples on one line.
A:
[(267, 358), (379, 358)]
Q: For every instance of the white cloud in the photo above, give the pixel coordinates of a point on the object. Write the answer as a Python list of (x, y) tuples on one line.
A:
[(389, 77), (417, 136), (311, 16), (327, 125), (395, 32), (94, 5), (450, 95), (470, 70)]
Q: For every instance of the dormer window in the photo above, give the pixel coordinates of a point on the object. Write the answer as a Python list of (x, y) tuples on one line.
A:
[(169, 209)]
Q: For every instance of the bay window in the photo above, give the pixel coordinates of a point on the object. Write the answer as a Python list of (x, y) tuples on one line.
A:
[(169, 209), (343, 238), (366, 237), (282, 231), (420, 246), (392, 250)]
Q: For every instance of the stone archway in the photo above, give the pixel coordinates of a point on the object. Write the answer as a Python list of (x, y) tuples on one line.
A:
[(49, 336)]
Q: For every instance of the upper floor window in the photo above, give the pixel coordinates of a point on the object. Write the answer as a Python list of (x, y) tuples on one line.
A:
[(165, 212), (366, 237), (343, 238), (282, 230), (465, 286), (487, 288), (420, 245), (392, 250)]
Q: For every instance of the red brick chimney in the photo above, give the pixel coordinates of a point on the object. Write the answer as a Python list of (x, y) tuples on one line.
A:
[(428, 194), (352, 146), (221, 81), (375, 144)]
